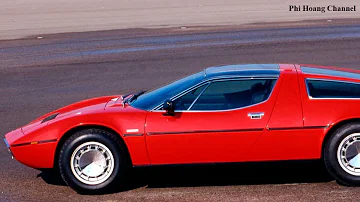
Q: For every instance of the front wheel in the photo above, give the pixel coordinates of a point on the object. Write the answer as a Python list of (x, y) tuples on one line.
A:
[(92, 161), (342, 154)]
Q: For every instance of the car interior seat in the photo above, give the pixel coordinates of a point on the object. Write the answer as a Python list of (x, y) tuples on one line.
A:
[(258, 93)]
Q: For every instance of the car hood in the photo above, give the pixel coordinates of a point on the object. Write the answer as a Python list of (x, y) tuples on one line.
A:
[(90, 104)]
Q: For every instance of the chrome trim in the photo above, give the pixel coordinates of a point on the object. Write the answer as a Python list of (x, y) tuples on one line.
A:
[(180, 94), (46, 141), (256, 115), (199, 95), (155, 109), (188, 90), (236, 69), (92, 163), (331, 80), (135, 135), (236, 77), (299, 128), (348, 154), (34, 142), (206, 131)]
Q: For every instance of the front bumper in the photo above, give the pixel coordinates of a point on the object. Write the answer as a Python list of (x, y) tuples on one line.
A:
[(8, 147), (30, 151)]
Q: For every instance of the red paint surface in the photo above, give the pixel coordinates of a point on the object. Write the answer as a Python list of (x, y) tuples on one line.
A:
[(200, 137)]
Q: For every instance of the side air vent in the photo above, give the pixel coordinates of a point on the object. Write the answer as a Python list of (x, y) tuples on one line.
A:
[(51, 117)]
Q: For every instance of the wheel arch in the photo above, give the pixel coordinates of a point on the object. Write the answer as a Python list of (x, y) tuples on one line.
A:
[(75, 129), (334, 128)]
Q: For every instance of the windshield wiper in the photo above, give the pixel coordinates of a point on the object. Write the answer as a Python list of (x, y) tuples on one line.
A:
[(125, 96), (123, 101), (135, 96)]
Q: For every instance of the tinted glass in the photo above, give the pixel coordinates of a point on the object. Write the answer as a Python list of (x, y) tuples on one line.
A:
[(234, 94), (184, 102), (332, 89), (245, 70), (153, 98), (329, 72)]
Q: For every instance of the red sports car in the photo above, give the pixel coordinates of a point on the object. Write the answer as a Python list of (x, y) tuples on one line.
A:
[(234, 113)]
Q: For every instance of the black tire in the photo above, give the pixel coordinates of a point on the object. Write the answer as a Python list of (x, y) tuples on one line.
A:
[(331, 155), (112, 143)]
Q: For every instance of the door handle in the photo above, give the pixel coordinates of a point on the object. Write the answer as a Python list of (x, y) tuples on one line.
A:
[(256, 115)]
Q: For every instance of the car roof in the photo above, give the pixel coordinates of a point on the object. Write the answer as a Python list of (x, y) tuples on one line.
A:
[(273, 70), (244, 70), (329, 71)]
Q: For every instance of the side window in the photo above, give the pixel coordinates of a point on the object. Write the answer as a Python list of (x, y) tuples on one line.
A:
[(232, 94), (332, 89), (185, 101)]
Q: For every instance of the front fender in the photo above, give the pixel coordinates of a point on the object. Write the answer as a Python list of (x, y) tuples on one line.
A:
[(37, 146)]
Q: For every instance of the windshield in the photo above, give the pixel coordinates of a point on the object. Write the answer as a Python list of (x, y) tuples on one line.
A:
[(153, 98)]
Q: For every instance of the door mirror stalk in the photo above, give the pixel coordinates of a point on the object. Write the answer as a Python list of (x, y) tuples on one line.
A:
[(168, 106)]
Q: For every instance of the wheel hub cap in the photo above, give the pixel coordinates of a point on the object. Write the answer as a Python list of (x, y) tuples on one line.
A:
[(92, 163), (349, 154)]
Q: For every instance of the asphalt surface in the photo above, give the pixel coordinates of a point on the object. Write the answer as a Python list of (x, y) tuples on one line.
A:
[(21, 18), (40, 75)]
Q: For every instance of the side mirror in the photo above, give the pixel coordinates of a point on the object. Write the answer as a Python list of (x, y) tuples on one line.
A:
[(168, 106)]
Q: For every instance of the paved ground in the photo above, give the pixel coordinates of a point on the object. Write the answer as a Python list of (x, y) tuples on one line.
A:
[(19, 18), (40, 75)]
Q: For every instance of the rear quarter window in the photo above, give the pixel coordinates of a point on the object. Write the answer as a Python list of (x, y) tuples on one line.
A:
[(332, 89)]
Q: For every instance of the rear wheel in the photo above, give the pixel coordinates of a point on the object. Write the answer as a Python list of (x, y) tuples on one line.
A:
[(342, 154), (92, 161)]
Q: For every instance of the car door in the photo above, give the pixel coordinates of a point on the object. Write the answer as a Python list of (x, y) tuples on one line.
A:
[(217, 121)]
